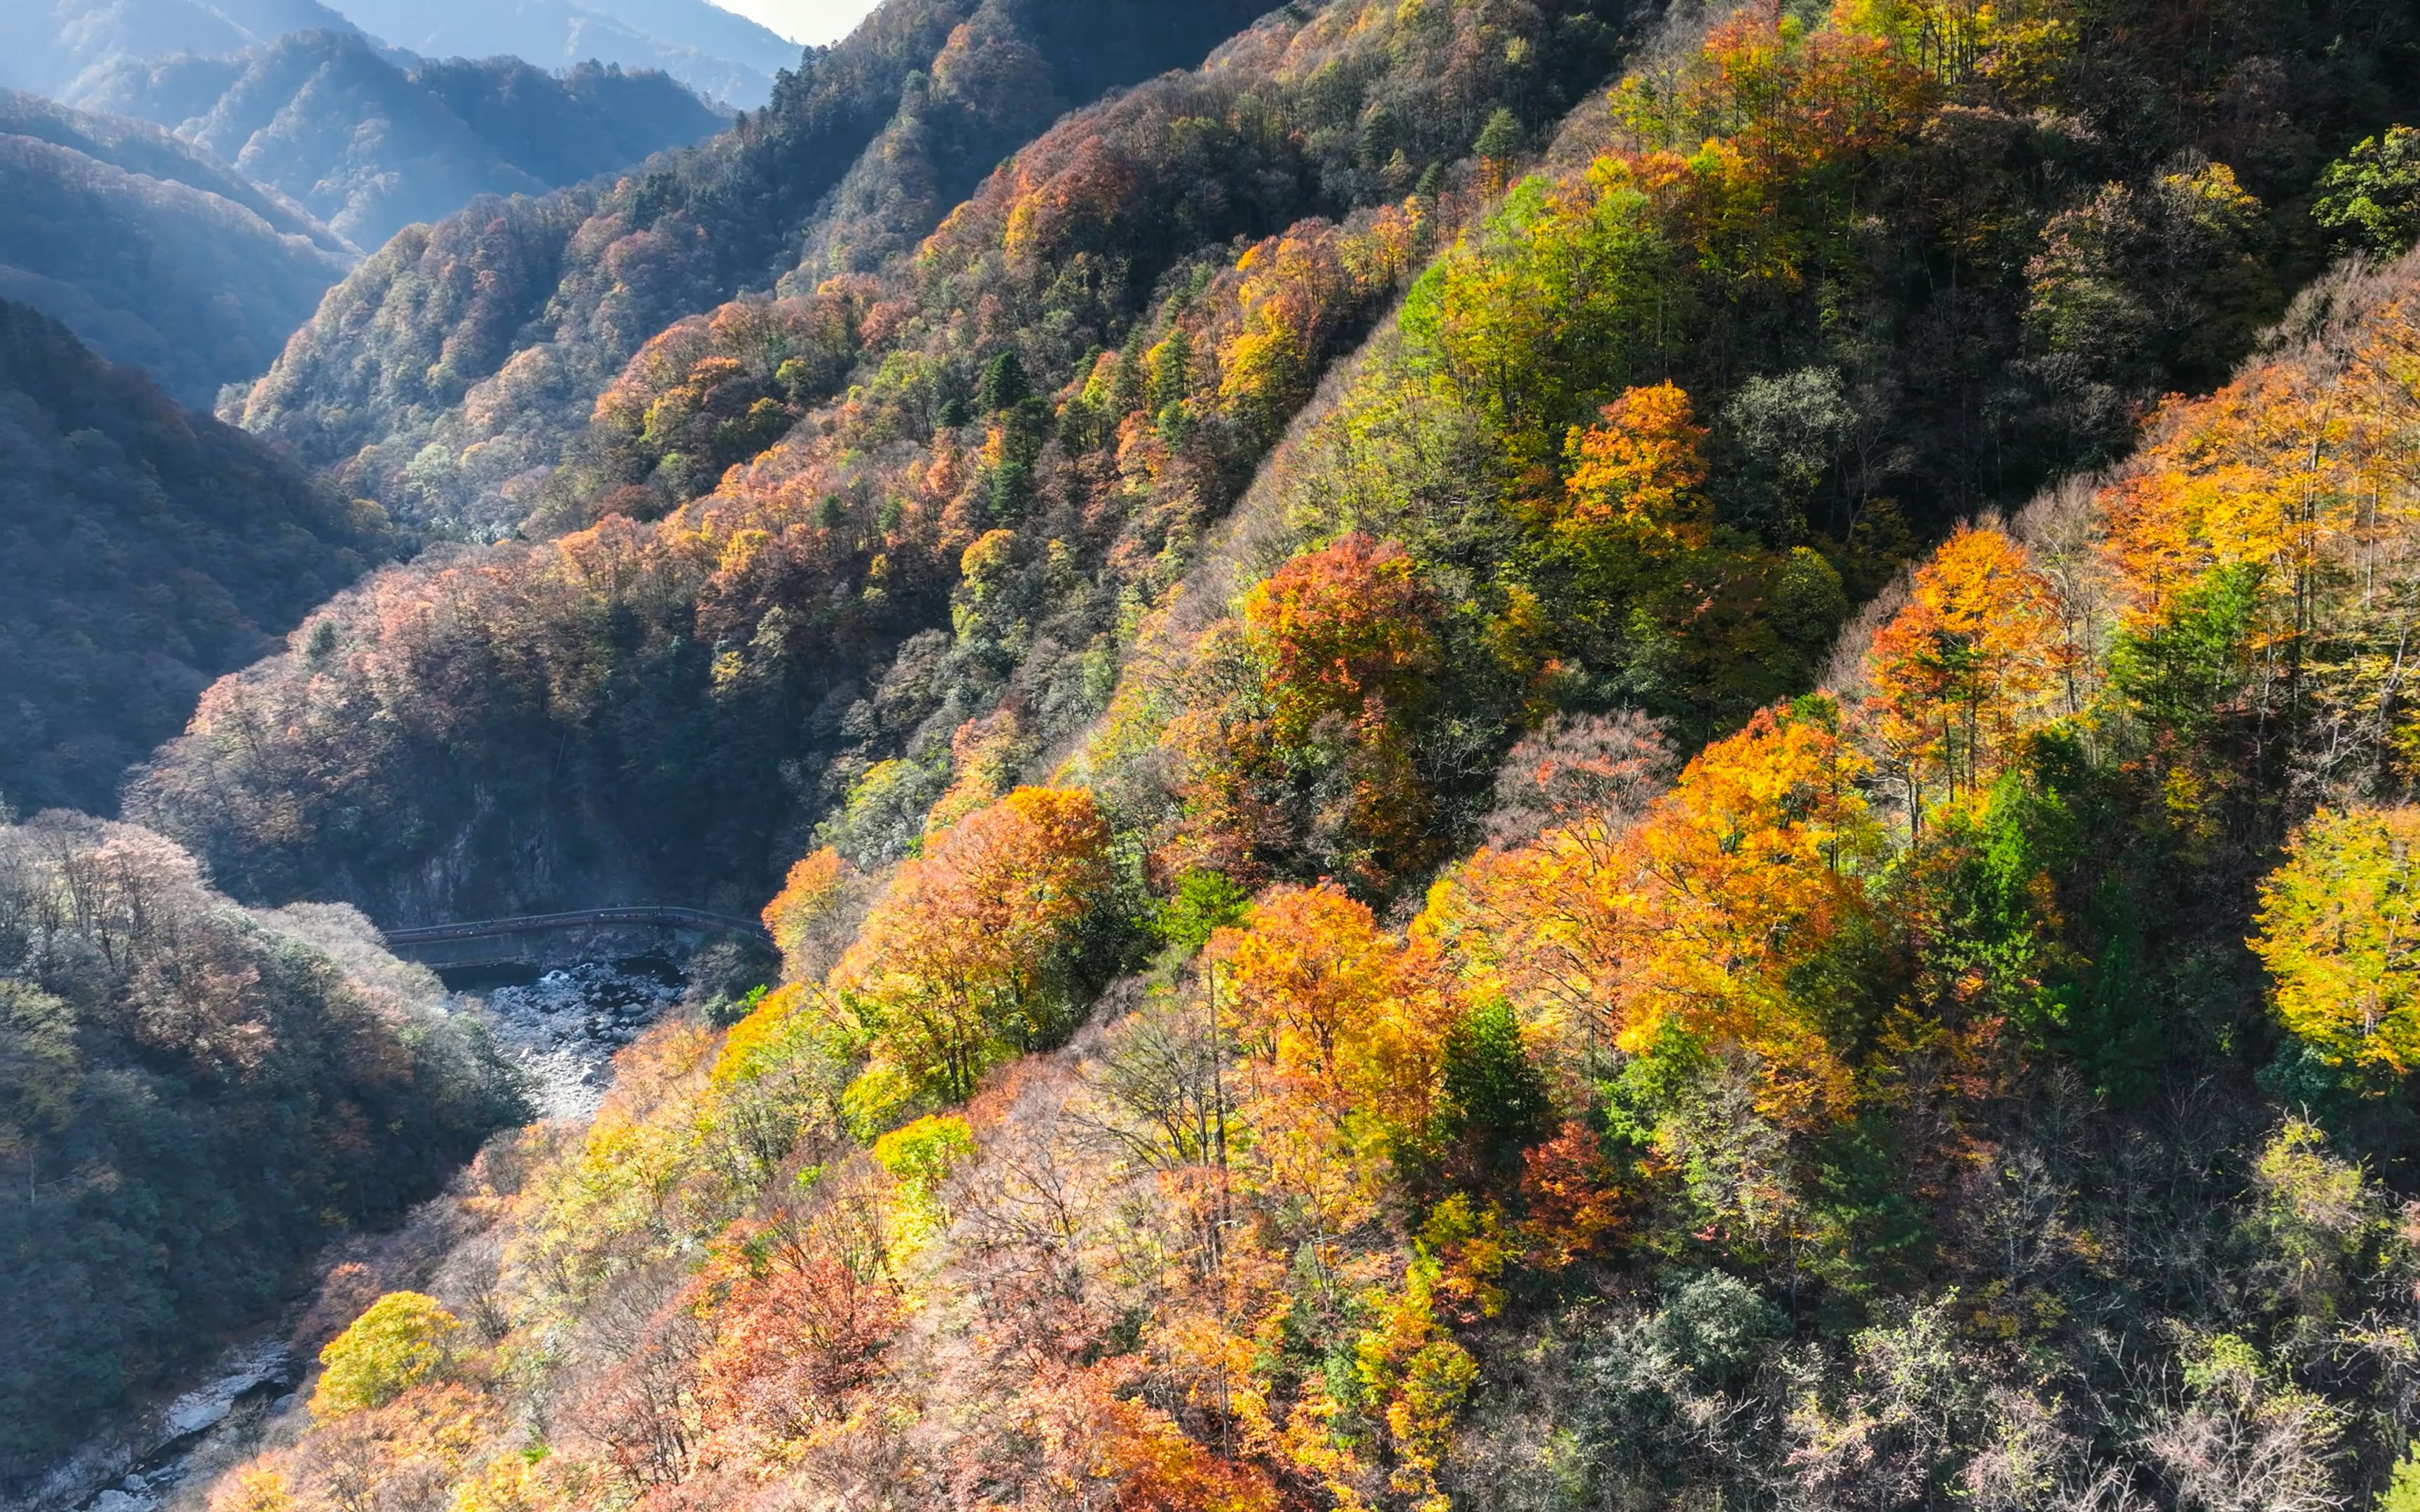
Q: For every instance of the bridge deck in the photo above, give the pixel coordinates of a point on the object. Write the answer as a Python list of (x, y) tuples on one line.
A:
[(644, 917)]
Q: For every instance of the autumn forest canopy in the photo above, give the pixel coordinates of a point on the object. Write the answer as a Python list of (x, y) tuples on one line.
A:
[(1508, 754)]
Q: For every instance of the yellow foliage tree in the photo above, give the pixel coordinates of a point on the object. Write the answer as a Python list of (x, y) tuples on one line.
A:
[(1343, 1032), (920, 1157), (806, 916), (1408, 1362), (1347, 1015), (511, 1484), (1975, 656), (2340, 933), (1639, 472), (402, 1339), (254, 1487), (1693, 920)]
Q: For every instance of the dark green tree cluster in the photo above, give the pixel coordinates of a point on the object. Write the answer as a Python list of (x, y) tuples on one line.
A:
[(193, 1099)]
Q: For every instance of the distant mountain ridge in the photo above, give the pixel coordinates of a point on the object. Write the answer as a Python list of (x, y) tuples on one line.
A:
[(371, 145), (713, 51), (445, 377), (46, 45), (149, 251), (54, 47)]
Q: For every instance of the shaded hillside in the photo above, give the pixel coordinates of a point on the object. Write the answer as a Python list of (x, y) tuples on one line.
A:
[(149, 550), (193, 1099), (589, 119), (370, 145), (445, 377), (150, 252)]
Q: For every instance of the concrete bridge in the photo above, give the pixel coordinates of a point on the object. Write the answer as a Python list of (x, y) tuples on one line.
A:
[(548, 940)]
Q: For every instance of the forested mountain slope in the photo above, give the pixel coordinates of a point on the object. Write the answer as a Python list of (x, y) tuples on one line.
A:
[(445, 377), (1052, 399), (1023, 450), (370, 145), (191, 1099), (1473, 991), (152, 253), (149, 550)]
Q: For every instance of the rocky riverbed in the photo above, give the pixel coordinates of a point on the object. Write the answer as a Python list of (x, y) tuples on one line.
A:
[(141, 1465), (564, 1029)]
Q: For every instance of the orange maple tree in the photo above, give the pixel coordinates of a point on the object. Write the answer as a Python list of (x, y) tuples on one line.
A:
[(1639, 471), (1975, 657), (954, 967), (1693, 922)]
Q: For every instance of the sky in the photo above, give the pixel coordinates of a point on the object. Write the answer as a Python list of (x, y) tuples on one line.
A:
[(804, 21)]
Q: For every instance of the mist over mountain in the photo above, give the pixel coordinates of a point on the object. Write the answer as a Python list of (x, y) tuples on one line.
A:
[(45, 46), (153, 251), (369, 145)]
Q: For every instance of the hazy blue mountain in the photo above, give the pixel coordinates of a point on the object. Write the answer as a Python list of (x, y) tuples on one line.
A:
[(150, 251), (370, 144), (45, 46), (714, 52), (53, 47)]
